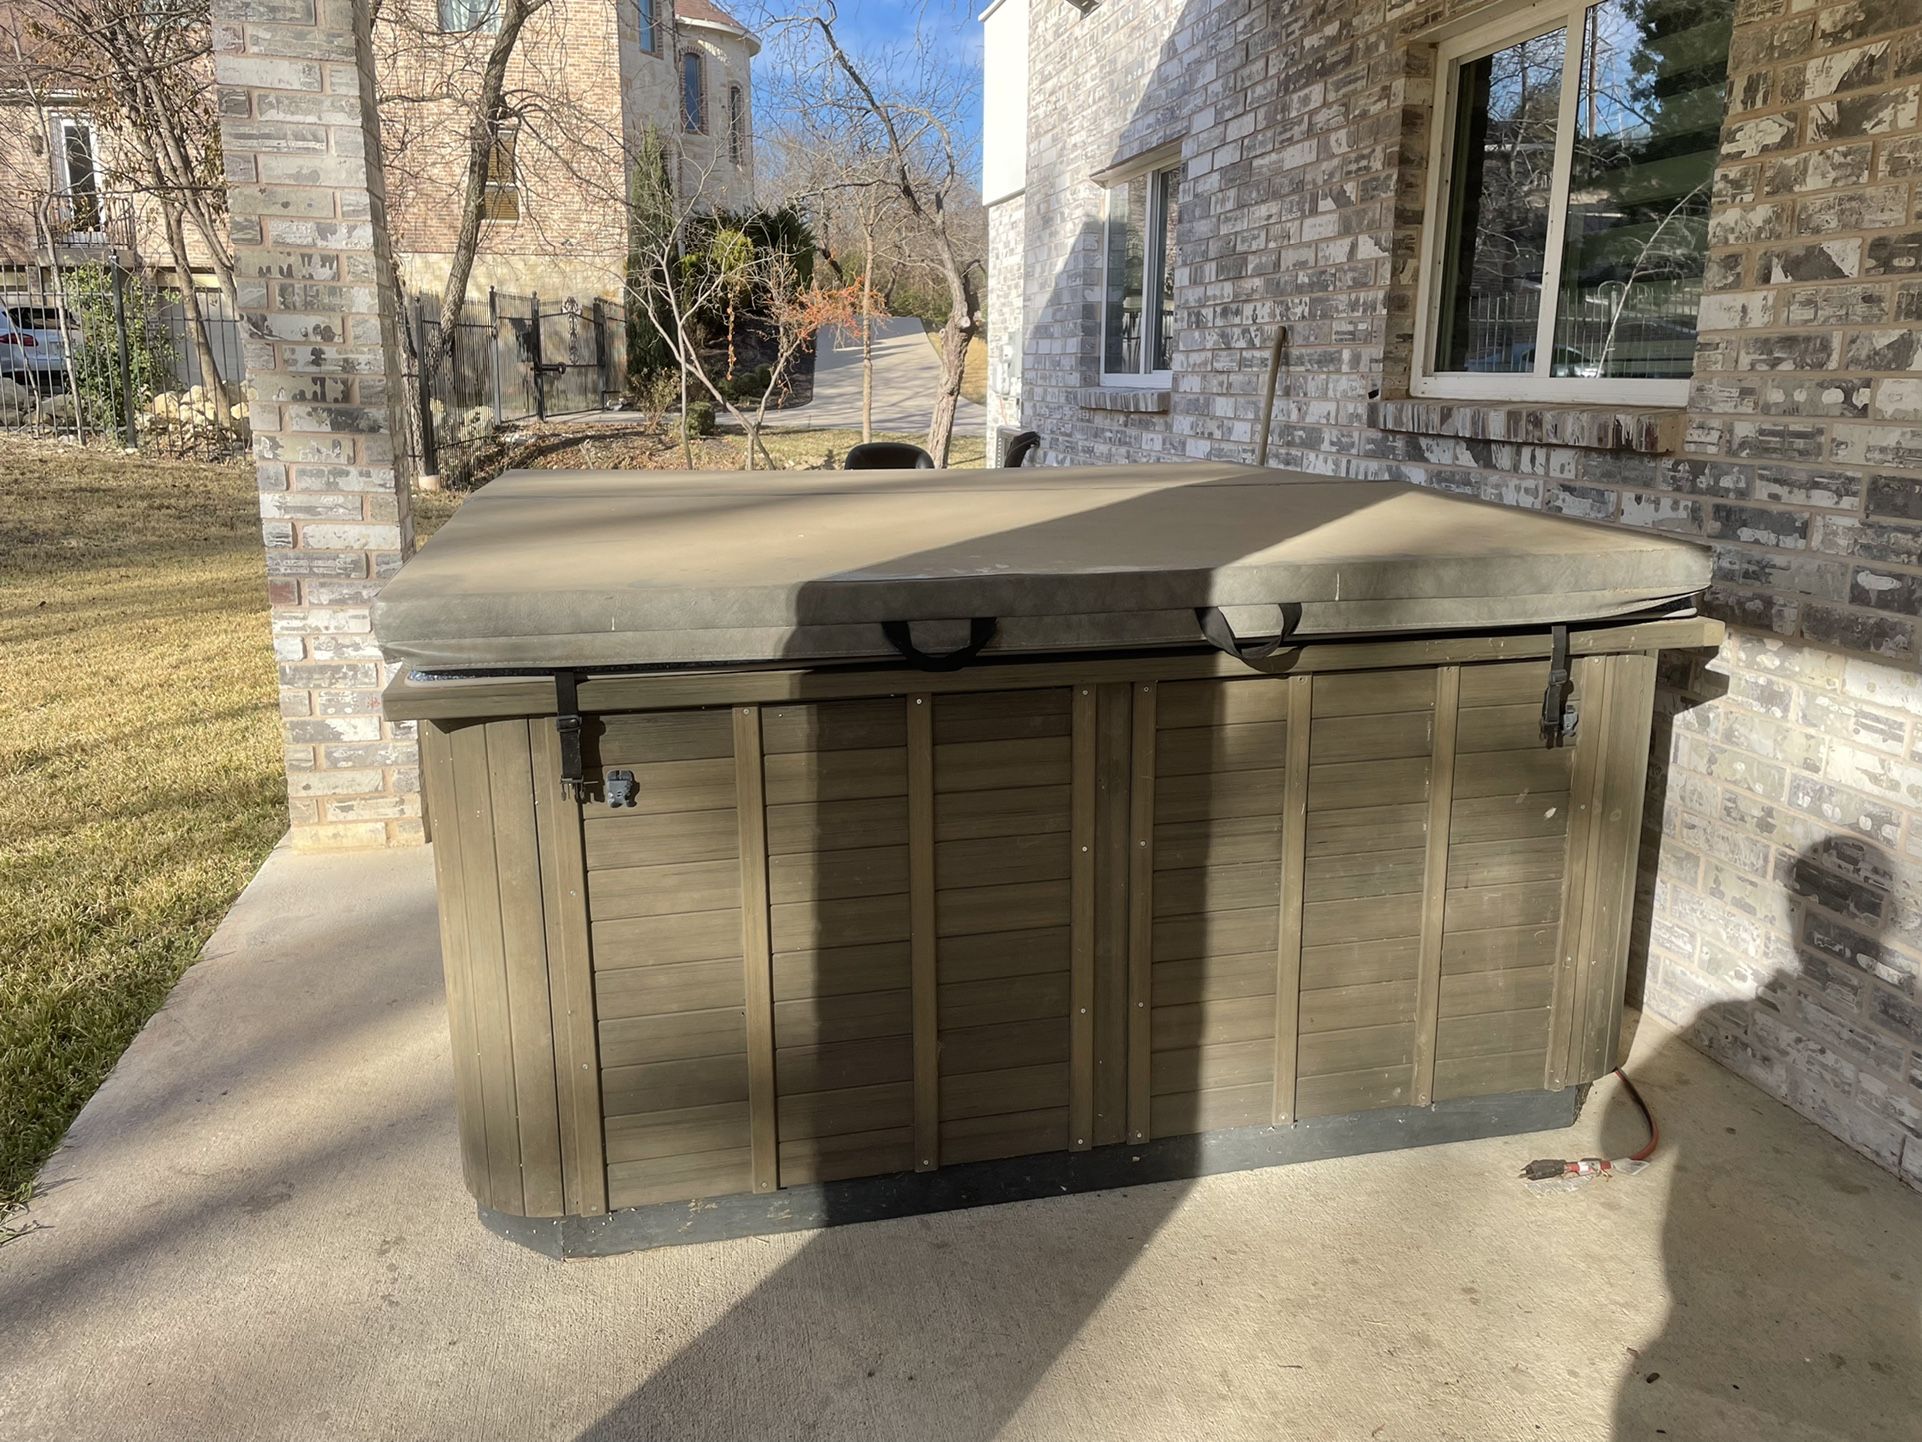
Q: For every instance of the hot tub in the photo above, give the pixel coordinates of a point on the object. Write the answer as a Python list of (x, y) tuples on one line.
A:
[(814, 847)]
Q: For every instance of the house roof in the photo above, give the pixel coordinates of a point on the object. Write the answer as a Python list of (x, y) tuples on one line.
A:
[(705, 13)]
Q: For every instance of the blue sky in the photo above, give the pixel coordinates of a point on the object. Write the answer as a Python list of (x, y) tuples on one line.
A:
[(870, 27)]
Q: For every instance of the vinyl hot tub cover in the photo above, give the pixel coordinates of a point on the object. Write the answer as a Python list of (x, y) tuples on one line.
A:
[(547, 570)]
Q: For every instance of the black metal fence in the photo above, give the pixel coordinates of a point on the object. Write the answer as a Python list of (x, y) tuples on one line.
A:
[(96, 354), (512, 358)]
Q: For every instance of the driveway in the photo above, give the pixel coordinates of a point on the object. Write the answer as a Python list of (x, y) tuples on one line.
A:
[(257, 1229), (907, 374)]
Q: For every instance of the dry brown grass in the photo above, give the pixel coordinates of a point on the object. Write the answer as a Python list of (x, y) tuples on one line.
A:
[(140, 782)]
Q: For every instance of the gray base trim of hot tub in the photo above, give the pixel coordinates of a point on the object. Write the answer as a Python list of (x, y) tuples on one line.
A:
[(1047, 1174)]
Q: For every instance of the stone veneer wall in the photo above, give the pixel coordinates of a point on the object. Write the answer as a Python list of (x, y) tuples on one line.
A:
[(1783, 890), (300, 143), (1007, 226)]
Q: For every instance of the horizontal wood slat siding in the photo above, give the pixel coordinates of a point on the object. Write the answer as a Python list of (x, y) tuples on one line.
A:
[(1003, 895), (1243, 924), (841, 922), (1501, 934), (1220, 791), (1366, 857), (669, 988)]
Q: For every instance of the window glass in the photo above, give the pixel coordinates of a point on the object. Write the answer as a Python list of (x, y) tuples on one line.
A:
[(1506, 110), (1123, 320), (1137, 313), (1648, 117), (501, 198), (736, 125), (82, 167), (459, 16), (1590, 244), (650, 37), (693, 93), (1167, 183)]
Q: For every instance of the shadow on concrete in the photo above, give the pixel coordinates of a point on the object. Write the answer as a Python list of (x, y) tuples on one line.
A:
[(1749, 1344)]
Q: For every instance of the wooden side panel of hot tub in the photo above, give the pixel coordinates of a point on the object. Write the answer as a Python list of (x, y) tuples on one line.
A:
[(858, 936), (664, 897), (837, 840)]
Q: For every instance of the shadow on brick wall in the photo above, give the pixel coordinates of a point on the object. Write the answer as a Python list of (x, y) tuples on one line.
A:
[(1751, 1340)]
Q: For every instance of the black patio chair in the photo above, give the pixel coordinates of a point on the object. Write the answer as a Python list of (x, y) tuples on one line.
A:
[(1020, 447), (887, 456)]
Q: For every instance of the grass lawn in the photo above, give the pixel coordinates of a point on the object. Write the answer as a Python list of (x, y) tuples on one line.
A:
[(140, 779)]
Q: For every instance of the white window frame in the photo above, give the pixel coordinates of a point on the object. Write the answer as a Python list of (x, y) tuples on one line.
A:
[(1153, 262), (1424, 381)]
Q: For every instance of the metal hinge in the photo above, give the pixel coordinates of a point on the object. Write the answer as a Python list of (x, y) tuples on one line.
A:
[(1561, 715)]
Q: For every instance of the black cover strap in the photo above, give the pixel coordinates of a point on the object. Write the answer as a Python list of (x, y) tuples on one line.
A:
[(1222, 636), (900, 634), (1560, 715), (567, 726)]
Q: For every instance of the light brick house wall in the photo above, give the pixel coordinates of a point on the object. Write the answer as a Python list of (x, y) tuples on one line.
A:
[(598, 92), (1782, 897)]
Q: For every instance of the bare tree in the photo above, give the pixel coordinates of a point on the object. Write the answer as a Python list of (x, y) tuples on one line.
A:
[(140, 69), (826, 170), (900, 115), (683, 265)]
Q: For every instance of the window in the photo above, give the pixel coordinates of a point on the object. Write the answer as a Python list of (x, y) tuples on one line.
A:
[(78, 174), (1575, 146), (736, 125), (459, 17), (1137, 313), (650, 26), (693, 93), (501, 196)]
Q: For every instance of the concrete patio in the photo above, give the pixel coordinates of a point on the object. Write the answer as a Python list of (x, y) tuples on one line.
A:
[(258, 1229)]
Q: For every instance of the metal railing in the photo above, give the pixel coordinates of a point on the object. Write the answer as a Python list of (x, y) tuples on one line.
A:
[(88, 221), (93, 353)]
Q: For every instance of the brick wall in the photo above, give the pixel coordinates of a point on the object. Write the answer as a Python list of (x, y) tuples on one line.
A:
[(570, 152), (308, 207), (1782, 897), (1007, 227)]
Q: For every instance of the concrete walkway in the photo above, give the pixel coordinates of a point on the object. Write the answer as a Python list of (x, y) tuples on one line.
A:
[(258, 1230), (907, 373)]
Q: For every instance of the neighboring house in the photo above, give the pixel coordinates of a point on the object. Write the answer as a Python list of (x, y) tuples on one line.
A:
[(593, 76), (1654, 263), (600, 76)]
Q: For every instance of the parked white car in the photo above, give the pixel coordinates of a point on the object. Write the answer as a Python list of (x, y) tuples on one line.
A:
[(33, 344)]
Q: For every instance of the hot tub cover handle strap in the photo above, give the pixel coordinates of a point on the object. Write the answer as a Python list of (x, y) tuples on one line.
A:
[(567, 729), (1221, 635), (1561, 715), (900, 634)]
